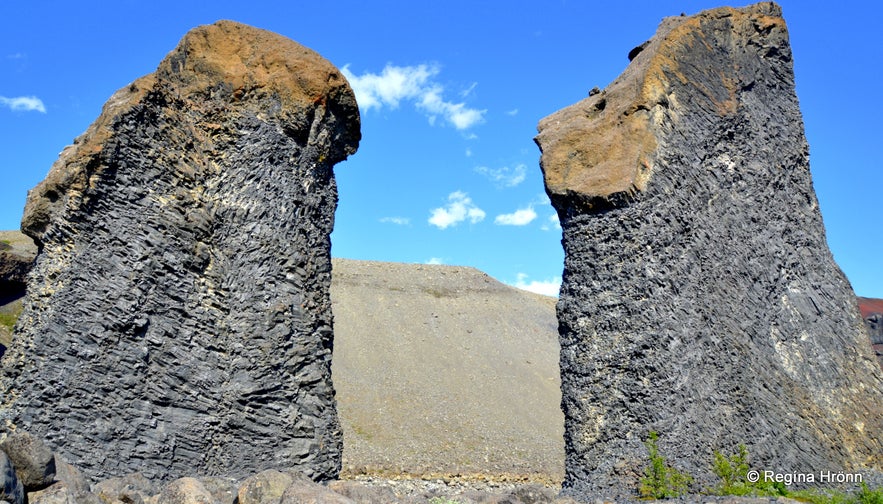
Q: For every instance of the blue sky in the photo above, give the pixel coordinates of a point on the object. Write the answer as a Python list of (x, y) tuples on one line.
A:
[(451, 93)]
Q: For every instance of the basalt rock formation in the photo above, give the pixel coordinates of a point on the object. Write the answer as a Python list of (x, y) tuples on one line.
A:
[(872, 312), (178, 317), (16, 259), (699, 297)]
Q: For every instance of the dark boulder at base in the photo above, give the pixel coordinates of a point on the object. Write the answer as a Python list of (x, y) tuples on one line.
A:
[(11, 489), (178, 319), (34, 461), (699, 297)]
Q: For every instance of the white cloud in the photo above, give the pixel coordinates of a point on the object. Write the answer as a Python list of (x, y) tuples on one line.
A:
[(505, 176), (435, 260), (468, 152), (459, 208), (552, 223), (512, 112), (468, 91), (399, 221), (520, 217), (26, 103), (414, 84), (549, 287)]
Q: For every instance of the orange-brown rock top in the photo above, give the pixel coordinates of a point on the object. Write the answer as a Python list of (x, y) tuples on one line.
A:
[(215, 68), (603, 148)]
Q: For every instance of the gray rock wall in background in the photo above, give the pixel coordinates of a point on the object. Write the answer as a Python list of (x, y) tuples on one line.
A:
[(178, 318), (699, 297)]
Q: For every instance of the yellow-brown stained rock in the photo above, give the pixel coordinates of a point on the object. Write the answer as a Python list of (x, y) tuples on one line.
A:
[(604, 146), (224, 59)]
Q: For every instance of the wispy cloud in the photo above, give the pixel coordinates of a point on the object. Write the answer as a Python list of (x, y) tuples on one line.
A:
[(550, 287), (520, 217), (435, 260), (16, 56), (415, 84), (512, 112), (399, 221), (468, 91), (25, 103), (551, 223), (459, 208), (505, 176)]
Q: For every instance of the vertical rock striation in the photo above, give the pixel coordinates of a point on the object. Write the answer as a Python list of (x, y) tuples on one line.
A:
[(178, 318), (700, 299)]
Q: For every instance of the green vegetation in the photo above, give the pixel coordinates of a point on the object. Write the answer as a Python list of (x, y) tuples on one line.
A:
[(662, 481), (442, 500), (5, 244), (733, 473), (8, 320), (864, 495)]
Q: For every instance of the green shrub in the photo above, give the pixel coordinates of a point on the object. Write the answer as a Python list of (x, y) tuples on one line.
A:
[(733, 473), (8, 319), (661, 481)]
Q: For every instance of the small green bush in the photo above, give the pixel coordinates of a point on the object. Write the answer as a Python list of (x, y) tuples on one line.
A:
[(733, 473), (662, 481), (8, 320), (442, 500)]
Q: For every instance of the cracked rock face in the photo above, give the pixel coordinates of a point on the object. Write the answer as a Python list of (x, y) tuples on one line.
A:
[(699, 297), (178, 319)]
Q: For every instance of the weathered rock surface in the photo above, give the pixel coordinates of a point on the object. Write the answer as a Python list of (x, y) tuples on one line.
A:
[(11, 489), (185, 491), (699, 296), (872, 312), (178, 320), (34, 462), (17, 253)]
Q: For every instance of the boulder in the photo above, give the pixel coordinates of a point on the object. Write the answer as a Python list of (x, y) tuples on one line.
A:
[(11, 489), (364, 494), (699, 298), (132, 488), (179, 304), (307, 492), (265, 487), (34, 461), (185, 491)]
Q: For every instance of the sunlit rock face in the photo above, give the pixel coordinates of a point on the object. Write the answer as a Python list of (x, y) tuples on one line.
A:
[(178, 318), (699, 297)]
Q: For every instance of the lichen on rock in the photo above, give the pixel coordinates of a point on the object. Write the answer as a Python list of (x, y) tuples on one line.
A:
[(178, 320), (699, 297)]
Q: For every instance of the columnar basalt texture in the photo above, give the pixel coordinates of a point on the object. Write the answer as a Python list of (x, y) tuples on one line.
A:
[(699, 297), (178, 318)]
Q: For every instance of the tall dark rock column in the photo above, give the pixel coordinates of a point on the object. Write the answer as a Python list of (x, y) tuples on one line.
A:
[(178, 319), (699, 297)]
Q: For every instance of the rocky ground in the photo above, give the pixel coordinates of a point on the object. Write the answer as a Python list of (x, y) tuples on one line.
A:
[(30, 473), (433, 360)]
